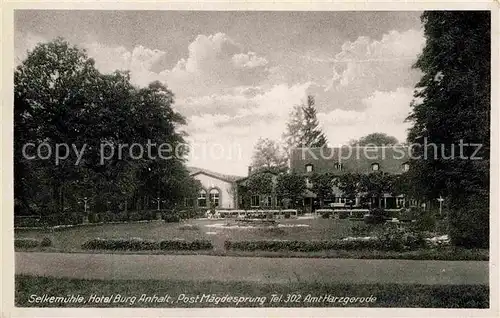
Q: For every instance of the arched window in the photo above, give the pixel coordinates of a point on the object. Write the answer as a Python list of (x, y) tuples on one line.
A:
[(375, 166), (309, 167), (202, 198), (214, 196), (406, 166)]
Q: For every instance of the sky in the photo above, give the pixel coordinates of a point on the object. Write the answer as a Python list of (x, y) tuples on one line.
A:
[(237, 75)]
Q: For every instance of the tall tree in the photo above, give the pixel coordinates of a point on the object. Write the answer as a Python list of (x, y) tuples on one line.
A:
[(290, 187), (349, 184), (61, 98), (312, 134), (322, 186), (268, 155), (302, 129), (454, 107), (375, 139)]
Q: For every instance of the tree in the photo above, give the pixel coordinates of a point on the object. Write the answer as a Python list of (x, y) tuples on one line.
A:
[(291, 187), (61, 98), (302, 129), (312, 134), (348, 183), (375, 139), (268, 155), (375, 185), (452, 106), (322, 186), (52, 90)]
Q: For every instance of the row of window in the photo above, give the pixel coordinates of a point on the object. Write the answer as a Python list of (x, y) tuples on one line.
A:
[(339, 166), (213, 196)]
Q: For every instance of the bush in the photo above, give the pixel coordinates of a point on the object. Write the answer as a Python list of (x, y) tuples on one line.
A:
[(362, 229), (343, 215), (137, 244), (171, 217), (134, 244), (32, 243), (357, 215), (301, 246), (469, 221), (425, 221), (28, 222), (393, 238), (184, 245), (375, 216), (46, 242)]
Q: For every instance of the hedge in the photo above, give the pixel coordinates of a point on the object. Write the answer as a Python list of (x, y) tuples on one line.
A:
[(136, 244), (391, 239), (32, 243), (301, 246)]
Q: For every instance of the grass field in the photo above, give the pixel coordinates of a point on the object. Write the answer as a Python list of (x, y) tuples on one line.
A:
[(71, 239), (386, 295), (290, 229)]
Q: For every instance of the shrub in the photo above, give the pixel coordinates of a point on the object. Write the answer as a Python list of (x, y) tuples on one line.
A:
[(357, 215), (28, 222), (301, 246), (362, 229), (469, 221), (171, 217), (326, 215), (425, 221), (137, 244), (375, 216), (393, 238), (46, 242), (133, 244), (343, 215)]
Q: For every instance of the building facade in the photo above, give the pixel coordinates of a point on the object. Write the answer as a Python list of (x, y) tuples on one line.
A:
[(226, 191)]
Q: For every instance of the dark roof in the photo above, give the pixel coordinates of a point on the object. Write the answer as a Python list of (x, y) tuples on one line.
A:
[(353, 159), (225, 177)]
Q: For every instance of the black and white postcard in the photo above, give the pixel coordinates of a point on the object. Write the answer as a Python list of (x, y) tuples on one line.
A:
[(239, 159)]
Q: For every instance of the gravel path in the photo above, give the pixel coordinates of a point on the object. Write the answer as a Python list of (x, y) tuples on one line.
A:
[(253, 269)]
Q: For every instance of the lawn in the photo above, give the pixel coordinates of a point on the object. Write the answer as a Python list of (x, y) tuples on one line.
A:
[(71, 239), (386, 295), (289, 229)]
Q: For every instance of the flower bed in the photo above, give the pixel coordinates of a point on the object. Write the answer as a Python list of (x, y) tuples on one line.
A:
[(137, 244)]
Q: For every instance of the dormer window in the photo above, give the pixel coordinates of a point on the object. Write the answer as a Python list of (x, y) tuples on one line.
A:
[(375, 167), (309, 168), (406, 166)]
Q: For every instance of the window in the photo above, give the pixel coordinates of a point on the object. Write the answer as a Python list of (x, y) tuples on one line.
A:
[(309, 168), (400, 202), (267, 201), (202, 198), (255, 200), (375, 167), (406, 166), (214, 196), (338, 166)]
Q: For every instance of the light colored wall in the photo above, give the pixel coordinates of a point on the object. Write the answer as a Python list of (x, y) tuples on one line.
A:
[(226, 191)]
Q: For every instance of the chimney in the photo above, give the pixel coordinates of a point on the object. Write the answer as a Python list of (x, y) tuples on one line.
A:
[(249, 170)]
